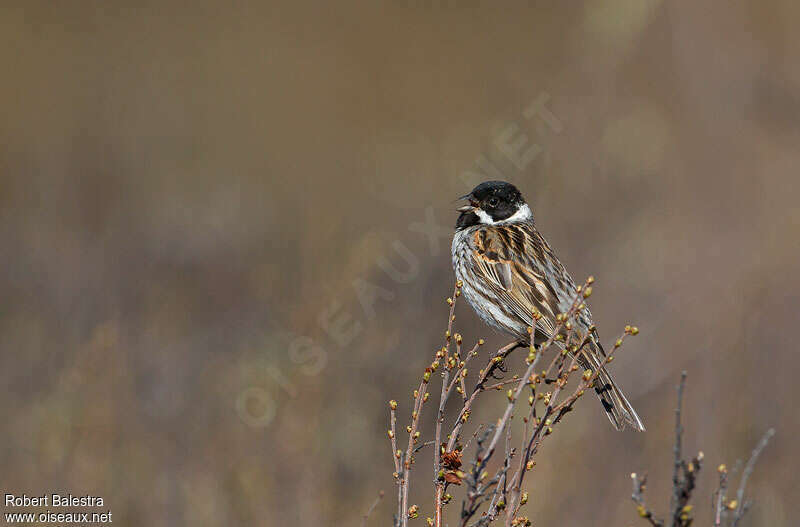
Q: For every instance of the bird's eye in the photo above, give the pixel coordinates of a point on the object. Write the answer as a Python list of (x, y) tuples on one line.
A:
[(493, 202)]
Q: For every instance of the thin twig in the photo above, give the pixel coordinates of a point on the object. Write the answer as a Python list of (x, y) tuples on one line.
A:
[(396, 455), (638, 497), (554, 412), (501, 492), (439, 485), (720, 495), (500, 384), (372, 508), (742, 507), (463, 415), (409, 459), (676, 450), (684, 478), (423, 445), (530, 448)]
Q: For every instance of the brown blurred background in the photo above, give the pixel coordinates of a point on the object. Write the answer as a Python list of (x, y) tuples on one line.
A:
[(193, 195)]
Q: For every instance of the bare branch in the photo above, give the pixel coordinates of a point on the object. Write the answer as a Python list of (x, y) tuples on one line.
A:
[(676, 450), (396, 456), (719, 496), (439, 485), (684, 478), (638, 497), (495, 491), (371, 509), (743, 506)]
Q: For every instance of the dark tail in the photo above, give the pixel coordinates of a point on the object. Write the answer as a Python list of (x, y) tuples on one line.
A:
[(618, 409)]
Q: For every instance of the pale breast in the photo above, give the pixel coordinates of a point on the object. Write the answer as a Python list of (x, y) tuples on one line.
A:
[(479, 296)]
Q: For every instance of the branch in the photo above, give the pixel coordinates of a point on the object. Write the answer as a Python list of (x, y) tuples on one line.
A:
[(371, 509), (500, 492), (684, 478), (638, 497), (742, 506), (408, 460), (719, 496), (487, 372), (676, 450), (437, 450), (396, 456)]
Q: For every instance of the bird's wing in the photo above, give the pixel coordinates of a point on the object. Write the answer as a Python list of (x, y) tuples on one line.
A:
[(517, 264)]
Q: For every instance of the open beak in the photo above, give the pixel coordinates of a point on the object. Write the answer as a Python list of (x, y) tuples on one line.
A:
[(467, 208)]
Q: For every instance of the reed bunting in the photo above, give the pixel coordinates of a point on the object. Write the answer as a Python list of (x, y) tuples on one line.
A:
[(508, 270)]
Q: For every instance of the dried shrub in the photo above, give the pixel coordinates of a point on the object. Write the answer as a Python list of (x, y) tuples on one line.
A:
[(546, 397)]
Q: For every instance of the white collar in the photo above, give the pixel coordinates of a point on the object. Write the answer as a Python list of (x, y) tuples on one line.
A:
[(522, 214)]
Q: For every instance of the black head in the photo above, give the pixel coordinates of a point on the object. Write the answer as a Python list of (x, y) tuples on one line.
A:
[(493, 202)]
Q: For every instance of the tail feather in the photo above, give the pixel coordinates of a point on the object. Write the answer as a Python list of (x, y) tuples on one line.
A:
[(618, 409)]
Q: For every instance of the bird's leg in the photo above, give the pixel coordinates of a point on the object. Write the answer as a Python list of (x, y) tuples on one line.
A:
[(502, 353), (498, 367)]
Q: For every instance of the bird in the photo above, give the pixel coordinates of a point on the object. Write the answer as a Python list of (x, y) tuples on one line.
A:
[(508, 271)]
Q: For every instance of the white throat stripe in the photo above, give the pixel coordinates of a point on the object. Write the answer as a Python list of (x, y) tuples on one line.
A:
[(522, 214)]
